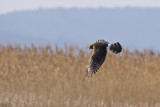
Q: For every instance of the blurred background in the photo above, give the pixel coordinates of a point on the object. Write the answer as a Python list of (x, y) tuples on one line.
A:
[(133, 23)]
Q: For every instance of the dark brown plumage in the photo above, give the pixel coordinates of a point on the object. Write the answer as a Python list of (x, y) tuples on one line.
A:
[(99, 54), (115, 47)]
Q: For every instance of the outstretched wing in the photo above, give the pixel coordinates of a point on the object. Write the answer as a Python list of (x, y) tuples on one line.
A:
[(115, 47), (96, 60)]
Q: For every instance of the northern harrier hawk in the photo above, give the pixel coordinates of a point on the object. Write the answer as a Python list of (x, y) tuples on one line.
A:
[(99, 55)]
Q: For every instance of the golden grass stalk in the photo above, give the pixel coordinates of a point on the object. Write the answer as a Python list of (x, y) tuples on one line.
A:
[(46, 77)]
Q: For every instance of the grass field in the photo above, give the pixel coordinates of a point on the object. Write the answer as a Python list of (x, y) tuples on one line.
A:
[(46, 77)]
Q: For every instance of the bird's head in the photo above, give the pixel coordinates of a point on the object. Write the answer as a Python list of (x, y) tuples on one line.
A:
[(91, 46)]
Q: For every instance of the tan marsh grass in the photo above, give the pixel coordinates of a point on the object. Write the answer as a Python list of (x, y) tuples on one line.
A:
[(46, 77)]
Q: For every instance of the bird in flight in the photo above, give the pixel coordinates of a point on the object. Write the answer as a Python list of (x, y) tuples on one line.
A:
[(99, 54)]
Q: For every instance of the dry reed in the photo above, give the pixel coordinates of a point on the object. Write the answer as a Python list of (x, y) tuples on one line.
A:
[(43, 77)]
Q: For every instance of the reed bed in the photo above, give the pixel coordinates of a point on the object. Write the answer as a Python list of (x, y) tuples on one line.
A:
[(52, 77)]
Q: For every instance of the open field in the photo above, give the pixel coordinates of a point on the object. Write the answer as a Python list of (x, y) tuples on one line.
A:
[(42, 77)]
